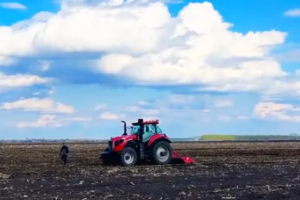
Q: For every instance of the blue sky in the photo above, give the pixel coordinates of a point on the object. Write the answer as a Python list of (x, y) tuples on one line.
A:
[(76, 68)]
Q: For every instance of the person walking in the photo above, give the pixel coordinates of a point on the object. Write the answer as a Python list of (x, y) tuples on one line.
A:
[(64, 153)]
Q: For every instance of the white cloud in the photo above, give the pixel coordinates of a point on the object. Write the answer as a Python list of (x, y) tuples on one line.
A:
[(223, 103), (51, 91), (277, 111), (181, 99), (110, 116), (142, 111), (143, 103), (242, 117), (224, 118), (169, 108), (80, 119), (143, 107), (50, 120), (190, 108), (43, 122), (293, 12), (13, 5), (19, 80), (5, 61), (196, 47), (100, 107), (289, 56), (45, 105), (173, 1), (45, 65)]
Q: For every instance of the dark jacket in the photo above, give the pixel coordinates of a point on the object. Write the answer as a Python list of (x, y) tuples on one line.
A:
[(64, 150)]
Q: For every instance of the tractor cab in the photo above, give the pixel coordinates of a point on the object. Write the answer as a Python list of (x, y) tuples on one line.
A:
[(150, 128)]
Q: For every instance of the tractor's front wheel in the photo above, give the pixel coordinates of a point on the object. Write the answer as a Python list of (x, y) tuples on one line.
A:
[(162, 153), (106, 161), (128, 156)]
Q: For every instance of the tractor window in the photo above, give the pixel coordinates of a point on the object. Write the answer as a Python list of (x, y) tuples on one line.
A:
[(151, 128), (147, 128), (158, 129), (135, 129)]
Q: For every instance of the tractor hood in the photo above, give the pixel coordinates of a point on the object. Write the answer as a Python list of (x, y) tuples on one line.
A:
[(124, 137)]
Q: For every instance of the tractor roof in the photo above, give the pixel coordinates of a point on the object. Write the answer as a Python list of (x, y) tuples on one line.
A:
[(147, 122)]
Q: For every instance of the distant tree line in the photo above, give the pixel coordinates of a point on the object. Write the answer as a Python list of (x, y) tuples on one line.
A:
[(249, 137)]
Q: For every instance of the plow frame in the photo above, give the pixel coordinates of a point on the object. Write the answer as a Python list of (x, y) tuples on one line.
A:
[(179, 159)]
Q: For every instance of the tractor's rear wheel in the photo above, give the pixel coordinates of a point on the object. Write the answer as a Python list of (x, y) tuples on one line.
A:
[(128, 156), (162, 153)]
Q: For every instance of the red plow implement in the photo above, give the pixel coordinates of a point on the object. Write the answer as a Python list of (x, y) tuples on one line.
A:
[(180, 159)]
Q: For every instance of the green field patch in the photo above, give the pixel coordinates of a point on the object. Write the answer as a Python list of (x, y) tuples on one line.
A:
[(219, 137), (210, 137)]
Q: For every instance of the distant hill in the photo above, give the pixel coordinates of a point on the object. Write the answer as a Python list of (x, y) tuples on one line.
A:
[(209, 137)]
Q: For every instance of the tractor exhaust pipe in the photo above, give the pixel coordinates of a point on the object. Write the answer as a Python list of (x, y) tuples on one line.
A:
[(125, 128)]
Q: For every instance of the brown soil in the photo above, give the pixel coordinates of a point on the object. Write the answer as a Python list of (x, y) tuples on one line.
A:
[(223, 171)]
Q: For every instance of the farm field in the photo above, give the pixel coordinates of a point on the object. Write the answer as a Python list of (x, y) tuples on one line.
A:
[(261, 170)]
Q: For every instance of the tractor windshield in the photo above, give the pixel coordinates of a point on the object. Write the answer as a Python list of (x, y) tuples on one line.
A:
[(135, 129), (158, 130)]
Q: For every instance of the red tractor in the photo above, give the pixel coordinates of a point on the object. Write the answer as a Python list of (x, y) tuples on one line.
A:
[(145, 143)]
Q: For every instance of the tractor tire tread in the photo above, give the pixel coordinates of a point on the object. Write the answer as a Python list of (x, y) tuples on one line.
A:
[(155, 147), (133, 152)]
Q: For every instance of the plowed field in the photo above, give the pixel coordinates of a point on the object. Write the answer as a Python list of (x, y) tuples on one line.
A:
[(223, 171)]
